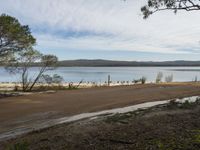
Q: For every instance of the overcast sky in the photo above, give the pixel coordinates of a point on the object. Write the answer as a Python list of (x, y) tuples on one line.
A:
[(107, 29)]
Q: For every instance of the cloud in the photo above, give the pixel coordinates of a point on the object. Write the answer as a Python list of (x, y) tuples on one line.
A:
[(106, 44), (106, 25)]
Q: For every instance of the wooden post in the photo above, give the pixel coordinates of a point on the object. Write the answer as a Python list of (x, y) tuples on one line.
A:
[(108, 80)]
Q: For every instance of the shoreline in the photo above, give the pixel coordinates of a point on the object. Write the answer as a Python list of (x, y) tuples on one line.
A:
[(10, 85)]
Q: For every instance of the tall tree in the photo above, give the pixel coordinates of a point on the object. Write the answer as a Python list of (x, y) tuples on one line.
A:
[(153, 6), (13, 36)]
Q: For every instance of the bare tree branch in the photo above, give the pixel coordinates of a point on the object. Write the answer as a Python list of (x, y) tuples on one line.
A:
[(154, 6)]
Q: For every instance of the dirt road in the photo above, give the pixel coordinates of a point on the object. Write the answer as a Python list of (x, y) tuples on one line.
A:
[(23, 110)]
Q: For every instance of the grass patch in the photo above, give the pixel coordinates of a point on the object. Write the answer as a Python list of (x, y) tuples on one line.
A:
[(19, 146)]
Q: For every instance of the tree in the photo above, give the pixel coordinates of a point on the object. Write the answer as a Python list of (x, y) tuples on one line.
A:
[(13, 36), (57, 79), (159, 77), (174, 5), (22, 62), (48, 62)]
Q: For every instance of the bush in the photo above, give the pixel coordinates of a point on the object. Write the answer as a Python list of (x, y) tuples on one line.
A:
[(197, 101), (57, 79), (159, 77), (19, 146), (172, 103), (72, 87), (169, 78), (51, 79), (143, 80), (136, 81), (195, 79), (186, 104), (16, 88)]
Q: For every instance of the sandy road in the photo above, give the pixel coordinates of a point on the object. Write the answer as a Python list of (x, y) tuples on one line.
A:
[(23, 110)]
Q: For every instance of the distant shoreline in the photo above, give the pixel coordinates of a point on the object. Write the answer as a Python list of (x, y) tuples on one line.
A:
[(114, 63)]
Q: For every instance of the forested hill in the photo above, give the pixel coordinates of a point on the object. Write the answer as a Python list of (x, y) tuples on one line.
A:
[(111, 63)]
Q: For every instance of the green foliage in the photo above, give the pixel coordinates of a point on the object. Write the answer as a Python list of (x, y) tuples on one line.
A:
[(197, 138), (18, 54), (160, 145), (13, 36), (21, 63), (49, 60), (186, 104), (19, 146), (197, 101), (45, 78), (183, 105)]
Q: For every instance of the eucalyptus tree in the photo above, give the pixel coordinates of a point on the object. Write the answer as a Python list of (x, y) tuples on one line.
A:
[(153, 6), (22, 63), (14, 37)]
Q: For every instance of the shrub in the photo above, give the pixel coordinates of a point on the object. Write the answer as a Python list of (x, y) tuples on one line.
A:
[(186, 104), (51, 79), (169, 78), (136, 81), (143, 80), (172, 103), (19, 146), (197, 101), (159, 77), (195, 79), (16, 88), (72, 86), (57, 79)]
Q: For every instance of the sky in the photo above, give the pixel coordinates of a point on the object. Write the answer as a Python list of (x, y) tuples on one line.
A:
[(107, 29)]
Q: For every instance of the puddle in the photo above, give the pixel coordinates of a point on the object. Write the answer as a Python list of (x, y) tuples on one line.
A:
[(48, 123)]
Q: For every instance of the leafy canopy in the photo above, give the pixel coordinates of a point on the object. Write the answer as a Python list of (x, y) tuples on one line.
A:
[(14, 36), (22, 62)]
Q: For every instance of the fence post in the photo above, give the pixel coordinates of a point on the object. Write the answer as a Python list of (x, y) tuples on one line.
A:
[(108, 80)]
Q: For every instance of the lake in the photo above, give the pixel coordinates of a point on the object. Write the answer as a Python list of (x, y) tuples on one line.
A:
[(100, 74)]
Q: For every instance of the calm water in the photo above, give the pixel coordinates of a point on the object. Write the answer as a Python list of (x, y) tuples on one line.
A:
[(99, 74)]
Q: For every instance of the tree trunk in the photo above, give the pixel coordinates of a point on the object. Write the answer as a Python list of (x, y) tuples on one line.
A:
[(37, 78)]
